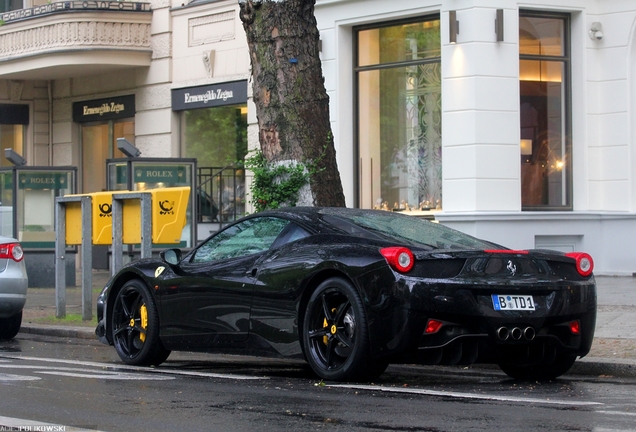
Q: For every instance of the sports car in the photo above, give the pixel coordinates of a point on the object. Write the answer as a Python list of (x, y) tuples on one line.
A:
[(351, 291)]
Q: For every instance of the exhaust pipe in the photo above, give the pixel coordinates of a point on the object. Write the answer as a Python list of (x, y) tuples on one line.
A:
[(516, 333), (529, 333), (503, 333)]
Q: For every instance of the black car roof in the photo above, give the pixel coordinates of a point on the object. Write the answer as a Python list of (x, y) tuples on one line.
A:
[(313, 216), (315, 213)]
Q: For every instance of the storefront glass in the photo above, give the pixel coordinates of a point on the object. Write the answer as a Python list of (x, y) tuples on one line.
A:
[(399, 116), (99, 144), (544, 65), (27, 196), (217, 138), (10, 5)]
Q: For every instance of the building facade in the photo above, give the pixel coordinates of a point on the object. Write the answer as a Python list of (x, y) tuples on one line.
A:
[(511, 121)]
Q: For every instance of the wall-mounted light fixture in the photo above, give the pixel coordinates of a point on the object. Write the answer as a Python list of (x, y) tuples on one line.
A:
[(127, 148), (14, 157), (526, 147), (499, 25), (453, 26), (596, 31)]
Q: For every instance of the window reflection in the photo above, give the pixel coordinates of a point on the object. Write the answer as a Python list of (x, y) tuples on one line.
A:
[(399, 116), (544, 106), (246, 238)]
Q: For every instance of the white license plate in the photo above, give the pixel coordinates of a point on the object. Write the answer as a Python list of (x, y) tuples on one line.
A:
[(512, 302)]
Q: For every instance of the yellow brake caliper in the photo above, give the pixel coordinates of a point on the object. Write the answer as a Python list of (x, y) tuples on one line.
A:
[(143, 312), (325, 339)]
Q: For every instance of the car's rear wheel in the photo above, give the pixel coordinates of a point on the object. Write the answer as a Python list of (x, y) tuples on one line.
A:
[(540, 372), (10, 326), (335, 335), (135, 326)]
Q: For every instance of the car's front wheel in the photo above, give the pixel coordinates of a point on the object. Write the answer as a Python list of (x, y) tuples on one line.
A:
[(10, 326), (335, 335), (135, 326), (540, 372)]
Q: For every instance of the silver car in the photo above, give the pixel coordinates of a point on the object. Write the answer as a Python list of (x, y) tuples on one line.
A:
[(13, 287)]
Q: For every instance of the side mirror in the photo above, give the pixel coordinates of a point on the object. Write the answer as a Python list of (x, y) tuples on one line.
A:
[(171, 256)]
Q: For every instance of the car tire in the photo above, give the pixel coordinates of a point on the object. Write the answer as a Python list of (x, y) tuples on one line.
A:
[(10, 326), (335, 334), (135, 326), (540, 372)]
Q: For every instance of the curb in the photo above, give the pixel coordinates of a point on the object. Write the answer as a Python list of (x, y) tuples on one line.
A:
[(603, 367), (60, 331), (589, 366)]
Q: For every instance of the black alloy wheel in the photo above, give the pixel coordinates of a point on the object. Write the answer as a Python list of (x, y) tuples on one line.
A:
[(135, 326), (539, 372), (335, 335)]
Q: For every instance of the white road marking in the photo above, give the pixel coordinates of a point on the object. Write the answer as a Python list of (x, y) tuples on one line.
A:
[(111, 376), (621, 413), (12, 377), (88, 373), (459, 395), (115, 367)]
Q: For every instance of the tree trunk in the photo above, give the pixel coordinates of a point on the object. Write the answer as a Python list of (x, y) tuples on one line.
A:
[(292, 105)]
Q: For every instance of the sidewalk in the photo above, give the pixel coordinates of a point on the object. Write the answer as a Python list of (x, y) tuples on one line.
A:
[(613, 352)]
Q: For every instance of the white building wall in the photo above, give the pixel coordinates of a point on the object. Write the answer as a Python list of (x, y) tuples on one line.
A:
[(611, 163), (210, 45), (480, 111)]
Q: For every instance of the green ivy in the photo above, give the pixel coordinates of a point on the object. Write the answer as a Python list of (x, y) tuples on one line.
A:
[(277, 185)]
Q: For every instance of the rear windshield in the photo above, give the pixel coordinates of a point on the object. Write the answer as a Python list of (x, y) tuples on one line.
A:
[(405, 229)]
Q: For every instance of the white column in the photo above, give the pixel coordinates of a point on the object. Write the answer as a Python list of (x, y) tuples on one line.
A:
[(480, 109)]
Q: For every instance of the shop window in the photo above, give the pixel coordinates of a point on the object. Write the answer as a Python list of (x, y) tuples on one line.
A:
[(545, 147), (10, 5), (217, 138), (398, 85), (99, 144)]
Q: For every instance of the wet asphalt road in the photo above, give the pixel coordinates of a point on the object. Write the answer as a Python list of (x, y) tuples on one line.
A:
[(82, 384)]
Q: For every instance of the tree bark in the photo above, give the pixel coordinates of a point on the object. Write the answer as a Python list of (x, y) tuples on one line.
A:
[(292, 104)]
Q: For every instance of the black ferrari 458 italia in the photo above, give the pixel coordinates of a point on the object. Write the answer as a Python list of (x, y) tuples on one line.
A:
[(351, 291)]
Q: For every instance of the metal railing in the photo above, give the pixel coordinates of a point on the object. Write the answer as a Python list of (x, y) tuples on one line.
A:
[(220, 194), (66, 6)]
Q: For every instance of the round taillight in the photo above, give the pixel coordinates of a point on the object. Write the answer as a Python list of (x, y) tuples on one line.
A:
[(399, 258), (584, 262), (11, 251), (17, 252)]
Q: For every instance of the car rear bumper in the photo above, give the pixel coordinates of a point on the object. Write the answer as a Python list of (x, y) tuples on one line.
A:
[(473, 331), (13, 288), (11, 304)]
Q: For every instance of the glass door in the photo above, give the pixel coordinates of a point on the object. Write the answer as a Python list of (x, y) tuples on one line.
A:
[(99, 144)]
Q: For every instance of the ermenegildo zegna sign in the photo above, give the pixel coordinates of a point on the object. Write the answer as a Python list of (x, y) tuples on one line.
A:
[(104, 109), (228, 93)]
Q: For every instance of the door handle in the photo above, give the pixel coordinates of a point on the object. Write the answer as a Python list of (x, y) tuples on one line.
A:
[(253, 272)]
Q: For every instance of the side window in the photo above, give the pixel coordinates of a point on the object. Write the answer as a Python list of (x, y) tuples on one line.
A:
[(249, 237), (292, 233), (350, 228)]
